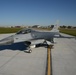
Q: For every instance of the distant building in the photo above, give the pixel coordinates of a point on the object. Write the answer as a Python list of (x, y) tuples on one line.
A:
[(17, 26), (50, 26), (36, 26)]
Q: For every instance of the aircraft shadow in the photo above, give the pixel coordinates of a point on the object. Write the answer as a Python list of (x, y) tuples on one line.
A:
[(18, 46), (15, 46)]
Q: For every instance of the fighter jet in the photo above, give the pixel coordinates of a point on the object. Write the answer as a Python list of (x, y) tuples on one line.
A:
[(32, 37)]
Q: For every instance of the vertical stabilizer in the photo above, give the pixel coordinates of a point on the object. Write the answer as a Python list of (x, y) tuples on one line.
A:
[(55, 28)]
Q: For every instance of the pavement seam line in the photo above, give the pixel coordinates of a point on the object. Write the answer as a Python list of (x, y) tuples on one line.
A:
[(9, 60)]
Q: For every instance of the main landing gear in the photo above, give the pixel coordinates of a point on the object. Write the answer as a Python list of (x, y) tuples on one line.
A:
[(28, 51), (29, 48)]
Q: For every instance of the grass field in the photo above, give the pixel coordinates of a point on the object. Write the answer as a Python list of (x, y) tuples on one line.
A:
[(68, 31), (14, 30), (8, 30)]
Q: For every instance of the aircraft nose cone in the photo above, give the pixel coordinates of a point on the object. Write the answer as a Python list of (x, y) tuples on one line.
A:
[(7, 41)]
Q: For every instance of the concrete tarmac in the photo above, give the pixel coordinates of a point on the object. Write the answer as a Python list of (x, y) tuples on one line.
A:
[(64, 56), (17, 62)]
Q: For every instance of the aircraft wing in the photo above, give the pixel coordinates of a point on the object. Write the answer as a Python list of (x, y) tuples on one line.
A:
[(66, 36)]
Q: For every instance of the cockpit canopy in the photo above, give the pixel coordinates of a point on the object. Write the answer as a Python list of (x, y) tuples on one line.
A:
[(24, 31)]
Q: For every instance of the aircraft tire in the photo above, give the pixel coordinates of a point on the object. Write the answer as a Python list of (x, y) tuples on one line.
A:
[(30, 51)]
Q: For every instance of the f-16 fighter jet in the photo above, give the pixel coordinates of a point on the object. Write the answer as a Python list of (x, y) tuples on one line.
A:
[(32, 37)]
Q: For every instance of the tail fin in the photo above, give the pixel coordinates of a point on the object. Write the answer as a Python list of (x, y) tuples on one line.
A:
[(55, 28)]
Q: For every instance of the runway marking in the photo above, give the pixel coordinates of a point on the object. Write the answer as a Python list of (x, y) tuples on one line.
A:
[(49, 60)]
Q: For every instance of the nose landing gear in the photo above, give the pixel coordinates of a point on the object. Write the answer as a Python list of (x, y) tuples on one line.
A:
[(28, 51)]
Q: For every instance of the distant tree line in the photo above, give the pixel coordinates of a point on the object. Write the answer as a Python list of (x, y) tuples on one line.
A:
[(67, 26), (63, 26)]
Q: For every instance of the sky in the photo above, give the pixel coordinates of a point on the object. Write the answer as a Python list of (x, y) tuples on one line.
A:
[(37, 12)]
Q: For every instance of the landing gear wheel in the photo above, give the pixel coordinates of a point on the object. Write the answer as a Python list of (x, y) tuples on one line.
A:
[(30, 51)]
